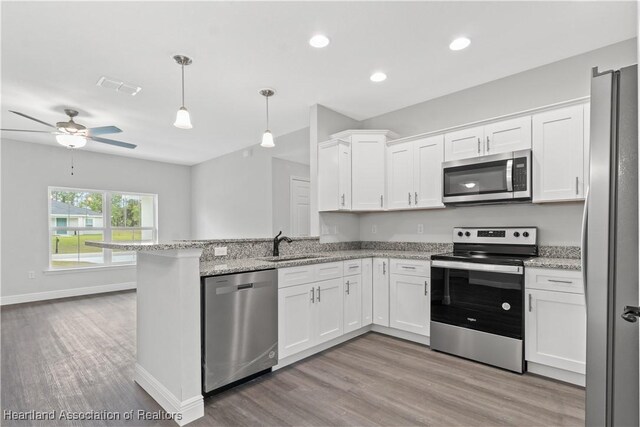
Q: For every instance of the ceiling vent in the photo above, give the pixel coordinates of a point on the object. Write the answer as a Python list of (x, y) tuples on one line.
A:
[(118, 86)]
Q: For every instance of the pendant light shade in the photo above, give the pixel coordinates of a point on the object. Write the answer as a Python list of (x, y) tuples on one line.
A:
[(183, 119), (71, 141), (267, 137)]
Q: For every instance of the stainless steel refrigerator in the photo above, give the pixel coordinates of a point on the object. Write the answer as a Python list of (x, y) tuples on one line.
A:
[(610, 251)]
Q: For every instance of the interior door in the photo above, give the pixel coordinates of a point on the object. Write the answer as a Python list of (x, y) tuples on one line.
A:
[(295, 319), (367, 174), (329, 310), (352, 303), (464, 144), (508, 135), (300, 199), (428, 154), (409, 304), (400, 176)]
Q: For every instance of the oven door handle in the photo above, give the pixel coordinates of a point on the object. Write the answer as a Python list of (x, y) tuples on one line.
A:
[(472, 266), (509, 175)]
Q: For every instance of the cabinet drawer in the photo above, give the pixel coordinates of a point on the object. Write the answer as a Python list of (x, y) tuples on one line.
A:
[(411, 267), (352, 267), (295, 276), (554, 280), (329, 270)]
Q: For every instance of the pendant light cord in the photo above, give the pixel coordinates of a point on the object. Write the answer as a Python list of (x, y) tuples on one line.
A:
[(267, 112), (182, 85)]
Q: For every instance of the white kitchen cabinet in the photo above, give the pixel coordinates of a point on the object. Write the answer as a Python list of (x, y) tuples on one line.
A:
[(296, 319), (334, 175), (381, 291), (367, 291), (352, 303), (367, 171), (507, 135), (555, 329), (329, 310), (409, 303), (464, 144), (558, 155), (414, 173)]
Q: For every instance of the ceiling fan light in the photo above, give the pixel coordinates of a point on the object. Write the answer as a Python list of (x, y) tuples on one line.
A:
[(267, 139), (183, 119), (71, 141)]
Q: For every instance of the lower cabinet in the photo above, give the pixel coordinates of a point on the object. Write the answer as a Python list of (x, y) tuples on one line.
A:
[(409, 303), (367, 291), (352, 287), (556, 329), (381, 291)]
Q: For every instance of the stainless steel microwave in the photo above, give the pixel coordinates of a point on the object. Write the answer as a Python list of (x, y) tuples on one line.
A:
[(497, 178)]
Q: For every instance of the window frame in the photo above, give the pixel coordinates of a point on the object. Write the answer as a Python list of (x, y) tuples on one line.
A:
[(107, 229)]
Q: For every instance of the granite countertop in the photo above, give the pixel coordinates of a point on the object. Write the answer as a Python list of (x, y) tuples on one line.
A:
[(148, 246), (218, 267), (555, 263)]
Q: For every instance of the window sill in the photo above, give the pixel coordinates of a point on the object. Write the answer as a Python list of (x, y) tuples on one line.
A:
[(89, 269)]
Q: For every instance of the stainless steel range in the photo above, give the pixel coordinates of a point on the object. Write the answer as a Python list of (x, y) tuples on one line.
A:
[(477, 295)]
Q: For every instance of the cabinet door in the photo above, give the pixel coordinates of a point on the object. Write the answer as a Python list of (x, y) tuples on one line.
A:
[(367, 291), (508, 135), (556, 330), (464, 144), (428, 154), (381, 291), (329, 310), (352, 303), (367, 172), (345, 176), (296, 319), (558, 155), (400, 176), (329, 198), (409, 304)]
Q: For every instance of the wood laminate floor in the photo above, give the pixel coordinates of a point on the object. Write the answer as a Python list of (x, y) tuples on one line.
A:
[(78, 355)]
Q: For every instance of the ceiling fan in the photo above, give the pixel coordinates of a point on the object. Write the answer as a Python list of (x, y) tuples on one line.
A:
[(74, 135)]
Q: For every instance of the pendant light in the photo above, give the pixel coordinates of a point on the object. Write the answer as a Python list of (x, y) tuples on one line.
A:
[(267, 137), (183, 120)]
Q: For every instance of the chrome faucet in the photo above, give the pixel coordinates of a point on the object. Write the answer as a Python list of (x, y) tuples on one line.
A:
[(276, 243)]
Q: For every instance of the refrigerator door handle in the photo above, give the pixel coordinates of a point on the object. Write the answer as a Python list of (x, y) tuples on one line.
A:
[(583, 244)]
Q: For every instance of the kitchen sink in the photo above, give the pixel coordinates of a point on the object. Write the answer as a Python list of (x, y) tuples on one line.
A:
[(291, 257)]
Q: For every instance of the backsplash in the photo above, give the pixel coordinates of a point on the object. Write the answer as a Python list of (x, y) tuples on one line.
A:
[(572, 252)]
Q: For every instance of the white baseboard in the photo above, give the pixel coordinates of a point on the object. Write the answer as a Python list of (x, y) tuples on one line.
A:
[(183, 411), (555, 373), (66, 293)]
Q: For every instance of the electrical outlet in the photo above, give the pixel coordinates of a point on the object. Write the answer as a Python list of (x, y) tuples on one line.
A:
[(420, 228), (221, 251), (31, 274), (374, 229)]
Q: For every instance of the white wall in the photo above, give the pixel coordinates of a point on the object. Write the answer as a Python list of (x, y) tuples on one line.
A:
[(282, 171), (233, 194), (27, 172)]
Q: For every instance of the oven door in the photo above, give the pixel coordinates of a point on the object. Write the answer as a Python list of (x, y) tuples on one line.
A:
[(483, 297), (503, 176)]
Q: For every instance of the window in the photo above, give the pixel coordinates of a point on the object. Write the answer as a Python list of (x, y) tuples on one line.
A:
[(77, 216)]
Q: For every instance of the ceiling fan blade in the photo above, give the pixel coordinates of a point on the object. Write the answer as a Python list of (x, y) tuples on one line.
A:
[(25, 130), (32, 118), (113, 142), (103, 130)]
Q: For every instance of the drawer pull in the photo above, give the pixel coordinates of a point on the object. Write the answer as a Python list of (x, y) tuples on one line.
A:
[(560, 281), (409, 267), (352, 266)]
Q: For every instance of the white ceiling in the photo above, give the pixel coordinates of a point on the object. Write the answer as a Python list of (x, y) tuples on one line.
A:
[(53, 53)]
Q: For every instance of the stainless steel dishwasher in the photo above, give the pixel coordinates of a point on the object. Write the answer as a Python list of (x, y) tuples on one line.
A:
[(239, 326)]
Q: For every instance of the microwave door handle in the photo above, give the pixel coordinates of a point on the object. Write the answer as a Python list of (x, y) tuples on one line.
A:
[(509, 175)]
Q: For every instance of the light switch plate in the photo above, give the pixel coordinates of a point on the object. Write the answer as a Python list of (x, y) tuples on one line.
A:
[(420, 228), (374, 229), (221, 251)]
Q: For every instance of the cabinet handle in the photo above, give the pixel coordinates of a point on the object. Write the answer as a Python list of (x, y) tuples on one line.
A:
[(318, 293), (313, 295), (342, 199), (381, 201), (530, 304), (409, 267), (347, 290), (409, 198), (560, 281), (384, 268), (478, 145), (488, 146), (353, 266), (577, 185), (425, 287), (415, 198)]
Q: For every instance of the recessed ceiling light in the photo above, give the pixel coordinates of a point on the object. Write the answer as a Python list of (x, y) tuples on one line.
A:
[(460, 43), (378, 77), (319, 41)]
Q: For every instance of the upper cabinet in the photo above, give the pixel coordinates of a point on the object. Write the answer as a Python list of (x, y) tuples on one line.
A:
[(414, 173), (559, 147), (493, 138), (366, 171), (334, 175)]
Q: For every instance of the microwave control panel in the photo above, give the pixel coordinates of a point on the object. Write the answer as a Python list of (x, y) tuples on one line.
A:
[(520, 174)]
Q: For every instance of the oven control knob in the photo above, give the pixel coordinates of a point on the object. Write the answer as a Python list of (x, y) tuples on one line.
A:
[(460, 233), (467, 234), (525, 234), (516, 234)]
